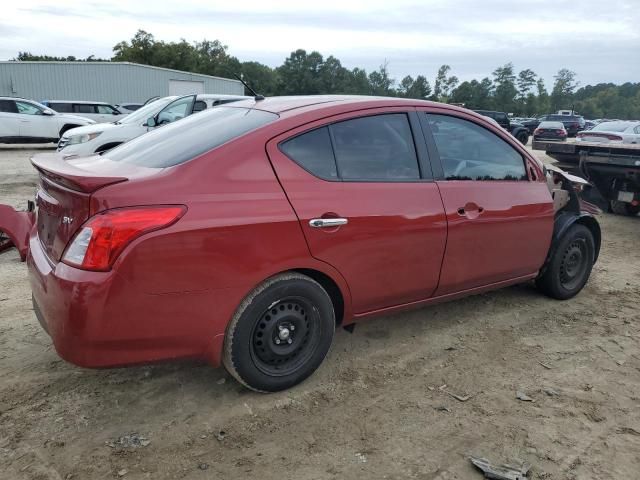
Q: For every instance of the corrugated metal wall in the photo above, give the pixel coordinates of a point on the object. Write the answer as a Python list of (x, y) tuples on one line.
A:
[(113, 82)]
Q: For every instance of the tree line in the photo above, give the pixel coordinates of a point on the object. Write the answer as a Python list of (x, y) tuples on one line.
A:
[(523, 93)]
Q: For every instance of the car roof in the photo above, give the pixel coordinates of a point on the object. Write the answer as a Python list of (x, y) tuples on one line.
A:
[(316, 102), (84, 102), (216, 96)]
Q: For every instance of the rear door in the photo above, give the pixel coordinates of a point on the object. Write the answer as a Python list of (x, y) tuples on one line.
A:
[(34, 124), (362, 189), (86, 110), (498, 207)]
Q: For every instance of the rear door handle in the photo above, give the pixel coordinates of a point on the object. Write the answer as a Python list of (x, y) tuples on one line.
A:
[(327, 222), (470, 210)]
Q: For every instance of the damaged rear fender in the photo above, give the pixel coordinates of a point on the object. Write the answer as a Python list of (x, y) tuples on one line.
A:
[(17, 225)]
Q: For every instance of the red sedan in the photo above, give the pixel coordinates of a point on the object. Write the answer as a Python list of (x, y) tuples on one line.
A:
[(245, 234)]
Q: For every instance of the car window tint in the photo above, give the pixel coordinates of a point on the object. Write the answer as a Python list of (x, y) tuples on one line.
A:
[(8, 106), (182, 141), (27, 108), (199, 106), (471, 152), (313, 152), (61, 107), (176, 110), (84, 108), (379, 147)]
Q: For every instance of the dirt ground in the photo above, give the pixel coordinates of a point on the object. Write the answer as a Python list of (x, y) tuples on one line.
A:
[(379, 407)]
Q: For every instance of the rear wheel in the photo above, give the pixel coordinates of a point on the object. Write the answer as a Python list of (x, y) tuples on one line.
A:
[(280, 333), (624, 208), (570, 266)]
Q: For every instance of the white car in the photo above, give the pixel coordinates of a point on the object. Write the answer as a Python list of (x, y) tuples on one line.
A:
[(105, 136), (612, 132), (98, 111), (128, 107), (26, 121)]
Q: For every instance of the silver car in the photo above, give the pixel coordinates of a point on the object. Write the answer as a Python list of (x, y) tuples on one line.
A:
[(612, 132)]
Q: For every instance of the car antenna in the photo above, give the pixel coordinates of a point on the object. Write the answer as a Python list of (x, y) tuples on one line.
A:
[(256, 96)]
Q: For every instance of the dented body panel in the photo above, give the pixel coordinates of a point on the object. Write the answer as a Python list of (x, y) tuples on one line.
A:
[(17, 225)]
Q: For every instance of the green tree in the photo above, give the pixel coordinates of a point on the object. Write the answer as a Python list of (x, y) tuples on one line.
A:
[(380, 83), (444, 84), (418, 88), (543, 103), (474, 94), (563, 88), (505, 91)]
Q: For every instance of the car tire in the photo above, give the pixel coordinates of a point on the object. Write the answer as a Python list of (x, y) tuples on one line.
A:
[(280, 333), (65, 128), (570, 266), (624, 208), (523, 138)]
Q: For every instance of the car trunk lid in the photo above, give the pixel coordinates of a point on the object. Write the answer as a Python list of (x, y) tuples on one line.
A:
[(63, 199)]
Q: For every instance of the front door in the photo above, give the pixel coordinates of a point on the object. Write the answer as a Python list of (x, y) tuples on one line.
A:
[(34, 124), (9, 119), (366, 202), (499, 211)]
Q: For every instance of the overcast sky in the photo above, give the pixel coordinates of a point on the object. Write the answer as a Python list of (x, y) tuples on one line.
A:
[(600, 40)]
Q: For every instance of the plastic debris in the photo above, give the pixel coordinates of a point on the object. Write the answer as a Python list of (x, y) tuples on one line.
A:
[(501, 472)]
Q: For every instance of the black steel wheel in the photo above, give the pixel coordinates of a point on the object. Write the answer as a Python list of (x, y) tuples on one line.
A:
[(569, 267), (280, 333)]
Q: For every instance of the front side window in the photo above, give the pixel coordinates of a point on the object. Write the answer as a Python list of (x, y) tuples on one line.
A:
[(471, 152), (176, 110), (27, 108), (199, 106), (374, 148), (106, 110)]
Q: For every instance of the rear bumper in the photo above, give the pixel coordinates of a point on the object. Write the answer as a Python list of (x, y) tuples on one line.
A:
[(101, 319)]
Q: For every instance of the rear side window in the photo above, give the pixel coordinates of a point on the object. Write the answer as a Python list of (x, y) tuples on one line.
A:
[(471, 152), (199, 106), (181, 141), (8, 106), (84, 108), (313, 152), (106, 110), (61, 107), (375, 148)]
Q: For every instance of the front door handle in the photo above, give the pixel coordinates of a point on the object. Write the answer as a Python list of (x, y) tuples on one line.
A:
[(470, 210), (327, 222)]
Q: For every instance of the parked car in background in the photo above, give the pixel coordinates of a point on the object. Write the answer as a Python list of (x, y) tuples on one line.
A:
[(128, 107), (104, 136), (247, 233), (98, 111), (572, 123), (514, 128), (26, 121), (612, 132), (550, 131)]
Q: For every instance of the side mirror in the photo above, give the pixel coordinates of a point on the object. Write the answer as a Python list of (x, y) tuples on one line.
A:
[(151, 122), (48, 112)]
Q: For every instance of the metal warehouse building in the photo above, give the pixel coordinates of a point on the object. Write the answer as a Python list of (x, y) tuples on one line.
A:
[(112, 82)]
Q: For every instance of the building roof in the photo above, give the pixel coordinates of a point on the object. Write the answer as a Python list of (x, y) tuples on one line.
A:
[(94, 63)]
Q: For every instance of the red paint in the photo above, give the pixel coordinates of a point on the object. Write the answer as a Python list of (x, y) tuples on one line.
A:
[(17, 226), (171, 292)]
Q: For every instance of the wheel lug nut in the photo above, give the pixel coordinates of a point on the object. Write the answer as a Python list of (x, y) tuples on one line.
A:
[(280, 327), (289, 341), (292, 327), (277, 341)]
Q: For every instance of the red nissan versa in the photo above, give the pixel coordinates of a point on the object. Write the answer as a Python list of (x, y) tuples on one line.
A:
[(245, 234)]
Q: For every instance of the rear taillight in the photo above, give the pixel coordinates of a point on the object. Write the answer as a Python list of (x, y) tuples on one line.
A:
[(562, 133), (105, 235), (613, 137), (537, 131)]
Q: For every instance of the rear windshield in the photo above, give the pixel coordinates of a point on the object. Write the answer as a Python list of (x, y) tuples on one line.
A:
[(187, 138), (612, 127), (551, 125)]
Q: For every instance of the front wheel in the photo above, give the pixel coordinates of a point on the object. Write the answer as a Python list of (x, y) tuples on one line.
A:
[(570, 266), (624, 208), (280, 333), (523, 137)]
